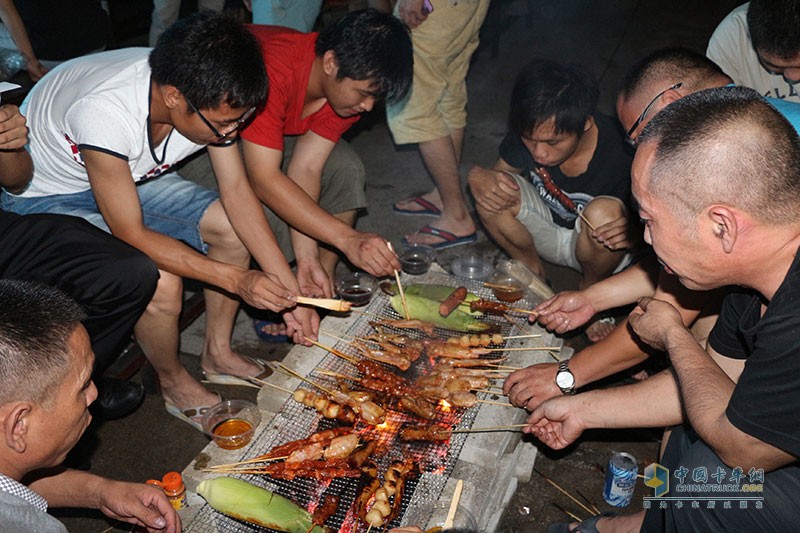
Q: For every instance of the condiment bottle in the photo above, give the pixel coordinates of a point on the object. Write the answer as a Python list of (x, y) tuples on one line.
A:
[(172, 484)]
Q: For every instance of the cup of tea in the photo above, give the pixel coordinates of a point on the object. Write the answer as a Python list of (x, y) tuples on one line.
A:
[(355, 287), (506, 287), (231, 423), (416, 259)]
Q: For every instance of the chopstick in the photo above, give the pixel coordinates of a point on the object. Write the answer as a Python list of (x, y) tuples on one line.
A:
[(586, 220), (451, 513), (567, 494), (400, 286), (325, 303)]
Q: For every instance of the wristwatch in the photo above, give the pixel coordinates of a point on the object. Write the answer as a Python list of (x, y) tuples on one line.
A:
[(565, 380)]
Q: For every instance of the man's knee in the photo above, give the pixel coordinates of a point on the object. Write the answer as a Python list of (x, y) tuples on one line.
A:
[(604, 209), (343, 180), (168, 297)]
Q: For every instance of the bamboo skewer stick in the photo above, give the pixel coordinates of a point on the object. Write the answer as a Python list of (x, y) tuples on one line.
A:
[(267, 383), (260, 459), (492, 402), (325, 303), (586, 220), (554, 356), (451, 513), (400, 287), (574, 517), (524, 348), (495, 428), (500, 286), (334, 351), (298, 376), (567, 494), (593, 506), (531, 336), (336, 375)]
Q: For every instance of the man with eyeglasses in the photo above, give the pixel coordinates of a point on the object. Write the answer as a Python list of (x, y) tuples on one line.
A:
[(655, 82), (715, 180), (758, 46), (104, 132)]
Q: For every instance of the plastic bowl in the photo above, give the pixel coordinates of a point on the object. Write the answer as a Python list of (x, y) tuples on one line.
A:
[(417, 258), (471, 267), (356, 287), (506, 287), (231, 423)]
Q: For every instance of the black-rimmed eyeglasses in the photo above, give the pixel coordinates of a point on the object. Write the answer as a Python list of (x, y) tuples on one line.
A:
[(647, 110), (234, 126)]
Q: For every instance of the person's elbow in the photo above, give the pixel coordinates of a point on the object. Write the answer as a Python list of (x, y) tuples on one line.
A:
[(16, 171), (751, 453)]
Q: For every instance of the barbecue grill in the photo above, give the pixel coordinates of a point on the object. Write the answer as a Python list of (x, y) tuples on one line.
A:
[(490, 462)]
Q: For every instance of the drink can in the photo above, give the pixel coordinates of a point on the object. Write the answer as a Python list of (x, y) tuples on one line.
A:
[(620, 479)]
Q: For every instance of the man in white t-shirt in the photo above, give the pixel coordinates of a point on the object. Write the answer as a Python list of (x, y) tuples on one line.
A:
[(105, 130), (758, 46)]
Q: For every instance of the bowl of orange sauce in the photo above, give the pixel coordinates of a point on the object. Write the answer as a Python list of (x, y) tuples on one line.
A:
[(231, 423)]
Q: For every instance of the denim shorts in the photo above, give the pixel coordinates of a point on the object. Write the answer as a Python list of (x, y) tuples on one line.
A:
[(170, 204)]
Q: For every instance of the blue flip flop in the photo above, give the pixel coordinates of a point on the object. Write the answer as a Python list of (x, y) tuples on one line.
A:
[(259, 327), (428, 209), (448, 239)]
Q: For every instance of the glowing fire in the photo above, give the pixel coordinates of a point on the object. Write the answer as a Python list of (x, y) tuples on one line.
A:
[(446, 407), (382, 427)]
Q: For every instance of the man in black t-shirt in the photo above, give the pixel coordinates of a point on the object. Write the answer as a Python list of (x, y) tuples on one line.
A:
[(559, 190), (711, 224)]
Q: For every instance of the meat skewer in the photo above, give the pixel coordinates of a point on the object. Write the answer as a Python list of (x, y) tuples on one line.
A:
[(367, 410)]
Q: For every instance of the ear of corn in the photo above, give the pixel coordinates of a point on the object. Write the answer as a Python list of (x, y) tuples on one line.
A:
[(245, 501), (427, 310), (430, 291)]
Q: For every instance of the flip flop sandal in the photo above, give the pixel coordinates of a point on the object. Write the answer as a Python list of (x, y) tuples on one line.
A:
[(252, 381), (449, 240), (190, 414), (428, 209)]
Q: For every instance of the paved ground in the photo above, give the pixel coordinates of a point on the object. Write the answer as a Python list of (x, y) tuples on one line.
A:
[(605, 35)]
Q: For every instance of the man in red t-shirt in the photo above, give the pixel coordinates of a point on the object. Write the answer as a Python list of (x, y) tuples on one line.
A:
[(319, 85)]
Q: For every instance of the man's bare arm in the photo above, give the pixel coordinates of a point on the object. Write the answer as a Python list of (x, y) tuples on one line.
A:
[(16, 167), (118, 202)]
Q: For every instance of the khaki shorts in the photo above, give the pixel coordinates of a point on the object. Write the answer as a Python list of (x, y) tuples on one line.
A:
[(343, 185), (555, 244), (443, 47)]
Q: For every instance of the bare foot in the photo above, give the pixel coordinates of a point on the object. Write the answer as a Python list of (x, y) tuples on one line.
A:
[(184, 391), (444, 230), (600, 328), (410, 205), (274, 329), (230, 363)]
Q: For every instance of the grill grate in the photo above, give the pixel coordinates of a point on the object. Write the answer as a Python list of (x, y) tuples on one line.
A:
[(295, 421)]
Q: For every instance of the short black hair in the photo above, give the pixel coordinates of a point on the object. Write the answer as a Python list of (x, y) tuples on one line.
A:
[(725, 145), (774, 27), (371, 45), (680, 64), (545, 89), (36, 324), (211, 59)]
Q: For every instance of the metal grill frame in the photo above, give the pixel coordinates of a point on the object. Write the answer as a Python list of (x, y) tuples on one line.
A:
[(294, 421)]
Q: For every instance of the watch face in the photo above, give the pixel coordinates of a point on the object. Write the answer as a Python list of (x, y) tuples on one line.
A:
[(565, 380)]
